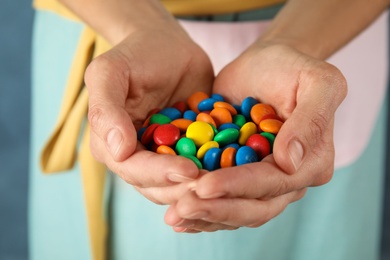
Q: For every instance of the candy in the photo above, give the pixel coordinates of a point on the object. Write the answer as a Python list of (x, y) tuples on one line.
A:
[(204, 117), (167, 134), (230, 108), (194, 100), (228, 157), (211, 132), (258, 111), (147, 136), (200, 132), (159, 119), (171, 112), (247, 105), (182, 124), (185, 146), (206, 104), (205, 147), (163, 149), (239, 120), (259, 144), (271, 138), (246, 155), (189, 114), (212, 158), (271, 125), (221, 116), (227, 136), (246, 131)]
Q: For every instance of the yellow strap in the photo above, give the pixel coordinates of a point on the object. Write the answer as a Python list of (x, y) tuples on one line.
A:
[(213, 7), (59, 153), (180, 7)]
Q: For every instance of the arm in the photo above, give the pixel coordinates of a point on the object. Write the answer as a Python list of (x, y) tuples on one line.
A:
[(284, 68), (319, 28), (133, 77)]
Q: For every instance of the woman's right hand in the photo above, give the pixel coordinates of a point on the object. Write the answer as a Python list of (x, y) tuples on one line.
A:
[(150, 68)]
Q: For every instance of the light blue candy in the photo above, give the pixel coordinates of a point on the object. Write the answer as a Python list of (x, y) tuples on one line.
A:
[(246, 154), (212, 159), (171, 112)]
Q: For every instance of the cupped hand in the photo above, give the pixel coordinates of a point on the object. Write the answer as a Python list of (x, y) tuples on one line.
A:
[(305, 93), (150, 68)]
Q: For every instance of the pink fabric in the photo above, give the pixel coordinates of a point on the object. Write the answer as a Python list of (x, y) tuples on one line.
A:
[(363, 62)]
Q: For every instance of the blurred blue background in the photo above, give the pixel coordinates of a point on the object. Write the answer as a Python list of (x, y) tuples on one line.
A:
[(15, 42), (16, 18)]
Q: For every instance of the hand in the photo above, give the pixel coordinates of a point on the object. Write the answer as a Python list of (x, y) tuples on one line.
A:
[(306, 93), (154, 67)]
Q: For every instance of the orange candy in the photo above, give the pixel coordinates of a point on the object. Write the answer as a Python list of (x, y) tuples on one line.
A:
[(164, 149), (226, 105), (228, 157), (195, 99), (270, 125), (260, 110), (204, 117), (182, 124), (221, 116)]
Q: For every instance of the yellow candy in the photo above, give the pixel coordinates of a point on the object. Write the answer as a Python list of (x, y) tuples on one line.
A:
[(246, 131), (200, 132), (205, 147)]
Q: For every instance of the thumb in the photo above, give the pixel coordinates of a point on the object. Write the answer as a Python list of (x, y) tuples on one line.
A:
[(305, 141), (108, 118)]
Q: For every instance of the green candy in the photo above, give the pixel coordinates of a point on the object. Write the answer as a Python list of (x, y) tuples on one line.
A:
[(195, 160), (239, 120), (270, 137), (159, 119), (227, 136), (185, 147)]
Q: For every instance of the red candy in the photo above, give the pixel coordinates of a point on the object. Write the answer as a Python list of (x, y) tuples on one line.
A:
[(167, 134), (147, 136), (260, 144)]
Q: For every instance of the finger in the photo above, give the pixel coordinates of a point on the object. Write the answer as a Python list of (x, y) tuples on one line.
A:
[(262, 180), (307, 133), (164, 195), (148, 169), (107, 114), (191, 226), (234, 212)]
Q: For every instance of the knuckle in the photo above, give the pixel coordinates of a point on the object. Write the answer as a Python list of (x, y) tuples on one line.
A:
[(95, 117)]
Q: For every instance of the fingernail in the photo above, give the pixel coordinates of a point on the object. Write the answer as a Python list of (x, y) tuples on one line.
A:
[(212, 195), (114, 141), (295, 150), (175, 177)]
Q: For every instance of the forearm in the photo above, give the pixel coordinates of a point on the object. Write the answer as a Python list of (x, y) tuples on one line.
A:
[(319, 28), (115, 19)]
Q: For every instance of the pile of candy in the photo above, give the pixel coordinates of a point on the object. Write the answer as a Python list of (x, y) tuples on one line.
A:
[(211, 132)]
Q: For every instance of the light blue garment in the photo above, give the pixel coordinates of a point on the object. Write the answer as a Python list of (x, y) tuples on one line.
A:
[(337, 221)]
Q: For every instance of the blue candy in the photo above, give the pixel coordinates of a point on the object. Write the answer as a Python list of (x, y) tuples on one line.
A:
[(212, 158), (246, 154), (247, 105), (206, 104), (171, 112), (228, 125), (234, 145), (217, 97), (190, 114)]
